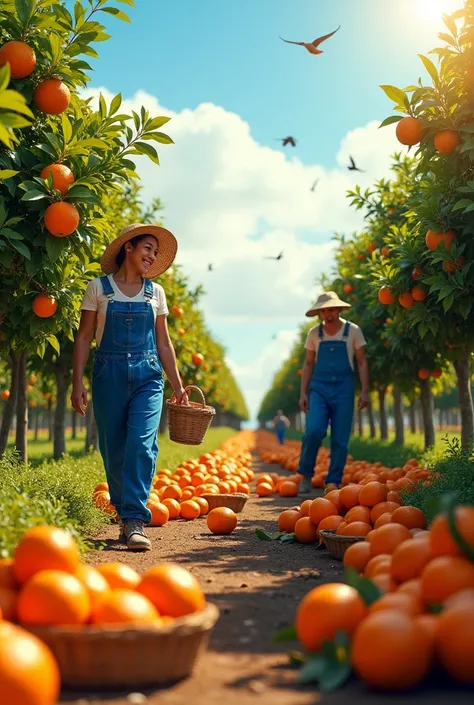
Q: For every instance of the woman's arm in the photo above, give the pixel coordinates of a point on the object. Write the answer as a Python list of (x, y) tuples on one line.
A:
[(168, 358), (82, 345)]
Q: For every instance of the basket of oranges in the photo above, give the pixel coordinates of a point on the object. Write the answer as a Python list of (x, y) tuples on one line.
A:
[(235, 501), (337, 544), (188, 423), (107, 626)]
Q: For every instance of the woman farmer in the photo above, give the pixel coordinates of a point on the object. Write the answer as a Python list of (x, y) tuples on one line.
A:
[(127, 313), (328, 376)]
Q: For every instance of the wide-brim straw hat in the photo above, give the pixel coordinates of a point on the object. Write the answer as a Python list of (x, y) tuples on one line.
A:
[(167, 248), (327, 300)]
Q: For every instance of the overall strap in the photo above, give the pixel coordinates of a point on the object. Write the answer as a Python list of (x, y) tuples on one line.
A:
[(347, 329), (321, 331), (148, 292), (106, 286)]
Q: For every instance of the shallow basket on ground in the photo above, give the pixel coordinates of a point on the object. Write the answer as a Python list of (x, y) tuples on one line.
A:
[(188, 423), (337, 544), (109, 656), (235, 501)]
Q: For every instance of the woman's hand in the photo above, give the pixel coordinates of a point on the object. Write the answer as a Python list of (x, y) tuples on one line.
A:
[(79, 398), (181, 396), (304, 403)]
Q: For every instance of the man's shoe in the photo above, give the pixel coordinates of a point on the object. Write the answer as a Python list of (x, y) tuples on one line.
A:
[(306, 485), (134, 535), (329, 488)]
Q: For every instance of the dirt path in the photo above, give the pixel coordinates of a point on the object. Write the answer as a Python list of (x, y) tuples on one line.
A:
[(257, 586)]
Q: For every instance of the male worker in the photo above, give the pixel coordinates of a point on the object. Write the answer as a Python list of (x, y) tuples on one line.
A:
[(280, 423), (327, 387)]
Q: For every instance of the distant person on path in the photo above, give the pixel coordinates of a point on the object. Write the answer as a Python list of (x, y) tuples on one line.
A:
[(127, 312), (327, 387), (280, 423)]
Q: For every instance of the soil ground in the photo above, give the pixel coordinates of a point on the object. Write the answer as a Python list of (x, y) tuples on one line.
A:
[(257, 586)]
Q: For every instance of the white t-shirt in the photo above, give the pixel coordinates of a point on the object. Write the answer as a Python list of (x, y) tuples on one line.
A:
[(95, 300), (355, 339)]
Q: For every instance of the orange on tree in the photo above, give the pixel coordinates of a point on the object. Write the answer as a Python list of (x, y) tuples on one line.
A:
[(386, 296), (221, 521), (61, 175), (423, 373), (434, 239), (409, 131), (52, 96), (61, 219), (44, 305), (173, 590), (446, 141), (406, 300), (20, 57), (418, 293), (44, 548)]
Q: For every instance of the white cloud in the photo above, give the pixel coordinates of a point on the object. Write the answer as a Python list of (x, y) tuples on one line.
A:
[(232, 201)]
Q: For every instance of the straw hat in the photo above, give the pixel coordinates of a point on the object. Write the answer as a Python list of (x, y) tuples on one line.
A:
[(327, 300), (167, 248)]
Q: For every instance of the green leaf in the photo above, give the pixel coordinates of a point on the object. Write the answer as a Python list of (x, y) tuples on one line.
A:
[(313, 669), (157, 122), (448, 302), (7, 173), (67, 128), (54, 342), (33, 195), (55, 247), (287, 538), (116, 13), (334, 675), (25, 10), (285, 634), (21, 248), (159, 137), (390, 120), (430, 67), (450, 24), (396, 94), (365, 587), (115, 104), (148, 150), (127, 2), (56, 47), (296, 659), (264, 536), (10, 234)]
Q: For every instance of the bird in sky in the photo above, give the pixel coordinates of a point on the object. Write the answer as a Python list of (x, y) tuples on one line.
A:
[(277, 258), (315, 184), (353, 166), (312, 47), (210, 268), (287, 140)]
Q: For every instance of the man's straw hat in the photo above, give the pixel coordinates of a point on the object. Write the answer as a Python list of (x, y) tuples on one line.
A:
[(167, 248), (327, 300)]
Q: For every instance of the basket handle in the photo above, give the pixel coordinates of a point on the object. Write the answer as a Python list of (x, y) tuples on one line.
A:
[(192, 386)]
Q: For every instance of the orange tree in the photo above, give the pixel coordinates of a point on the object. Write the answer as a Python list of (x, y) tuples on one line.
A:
[(14, 112), (58, 172), (436, 241)]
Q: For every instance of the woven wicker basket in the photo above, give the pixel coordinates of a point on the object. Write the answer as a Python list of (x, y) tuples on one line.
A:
[(188, 423), (90, 656), (235, 501), (336, 543)]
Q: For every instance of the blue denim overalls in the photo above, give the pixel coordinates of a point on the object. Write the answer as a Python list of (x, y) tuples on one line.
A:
[(331, 398), (127, 393), (280, 430)]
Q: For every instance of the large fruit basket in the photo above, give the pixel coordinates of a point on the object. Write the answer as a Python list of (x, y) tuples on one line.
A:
[(235, 501), (91, 656), (337, 544), (188, 424)]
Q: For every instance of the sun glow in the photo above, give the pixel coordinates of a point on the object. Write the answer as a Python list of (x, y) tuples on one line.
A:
[(433, 10)]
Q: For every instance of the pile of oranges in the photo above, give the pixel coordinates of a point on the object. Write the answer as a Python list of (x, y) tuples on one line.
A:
[(424, 617), (179, 494), (46, 584)]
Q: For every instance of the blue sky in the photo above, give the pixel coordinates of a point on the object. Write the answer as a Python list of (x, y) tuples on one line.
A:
[(185, 53)]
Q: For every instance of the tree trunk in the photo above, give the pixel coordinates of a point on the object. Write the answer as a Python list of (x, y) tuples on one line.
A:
[(463, 374), (370, 414), (360, 422), (398, 416), (412, 416), (21, 439), (63, 378), (50, 420), (10, 404), (426, 400), (73, 424), (383, 415), (37, 420)]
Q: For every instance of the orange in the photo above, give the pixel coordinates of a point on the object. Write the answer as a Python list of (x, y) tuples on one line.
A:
[(411, 517), (119, 575), (406, 300), (433, 239), (442, 542), (53, 597), (61, 219), (305, 530), (330, 523), (52, 96), (121, 606), (378, 564), (399, 601), (44, 306), (20, 56), (288, 519), (8, 600), (358, 513), (203, 505), (357, 528), (264, 489), (321, 508), (382, 508), (42, 548), (411, 586), (325, 610), (394, 496), (446, 141), (349, 496), (409, 558), (288, 489), (94, 582), (444, 576), (29, 673), (372, 493), (418, 293), (172, 589), (384, 582), (62, 176), (190, 509), (409, 131), (357, 556), (455, 641), (391, 651), (159, 513), (386, 296), (173, 507), (386, 538), (333, 496), (172, 491), (305, 507), (7, 577), (221, 520), (429, 623), (383, 519)]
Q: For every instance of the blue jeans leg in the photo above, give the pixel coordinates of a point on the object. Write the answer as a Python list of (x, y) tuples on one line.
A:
[(141, 449), (342, 411), (280, 432), (317, 420)]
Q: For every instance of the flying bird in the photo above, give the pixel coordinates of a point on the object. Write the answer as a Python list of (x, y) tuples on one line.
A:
[(315, 184), (287, 140), (312, 47), (277, 258), (353, 166)]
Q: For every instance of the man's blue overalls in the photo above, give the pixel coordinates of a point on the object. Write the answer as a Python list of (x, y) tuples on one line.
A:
[(280, 429), (331, 398), (127, 393)]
